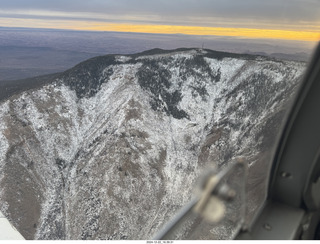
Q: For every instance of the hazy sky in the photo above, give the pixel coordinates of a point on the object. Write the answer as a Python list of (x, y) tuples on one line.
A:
[(300, 20)]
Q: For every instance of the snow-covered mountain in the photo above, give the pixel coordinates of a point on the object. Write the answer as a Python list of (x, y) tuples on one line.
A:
[(111, 148)]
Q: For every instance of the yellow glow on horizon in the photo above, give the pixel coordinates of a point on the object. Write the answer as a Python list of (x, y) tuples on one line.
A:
[(297, 35), (213, 31)]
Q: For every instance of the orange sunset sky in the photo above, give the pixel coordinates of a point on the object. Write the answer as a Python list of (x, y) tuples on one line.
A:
[(286, 20)]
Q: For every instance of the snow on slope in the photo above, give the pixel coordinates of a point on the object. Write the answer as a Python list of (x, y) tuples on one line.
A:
[(112, 148)]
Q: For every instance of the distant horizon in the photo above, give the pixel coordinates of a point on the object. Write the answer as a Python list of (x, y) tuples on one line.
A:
[(250, 33), (301, 46), (274, 19)]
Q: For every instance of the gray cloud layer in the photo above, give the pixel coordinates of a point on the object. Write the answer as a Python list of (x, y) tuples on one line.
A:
[(283, 11)]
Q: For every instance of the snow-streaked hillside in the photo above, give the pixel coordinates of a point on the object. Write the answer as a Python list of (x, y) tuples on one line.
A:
[(111, 149)]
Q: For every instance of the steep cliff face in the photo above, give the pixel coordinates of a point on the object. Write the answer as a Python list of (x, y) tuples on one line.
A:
[(111, 149)]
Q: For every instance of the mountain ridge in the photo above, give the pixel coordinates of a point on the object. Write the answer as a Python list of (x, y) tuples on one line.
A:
[(18, 86), (111, 148)]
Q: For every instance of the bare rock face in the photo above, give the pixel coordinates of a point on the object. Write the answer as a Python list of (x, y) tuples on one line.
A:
[(111, 149)]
